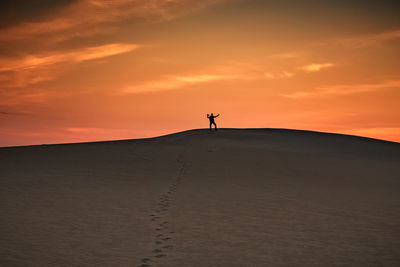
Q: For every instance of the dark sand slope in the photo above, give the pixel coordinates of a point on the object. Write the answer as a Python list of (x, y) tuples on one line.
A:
[(235, 198)]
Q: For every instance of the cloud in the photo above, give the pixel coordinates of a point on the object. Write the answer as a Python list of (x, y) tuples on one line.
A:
[(289, 55), (16, 97), (75, 56), (87, 17), (16, 11), (316, 67), (176, 82), (91, 130), (281, 75), (33, 69), (345, 89), (366, 39), (269, 76), (8, 113)]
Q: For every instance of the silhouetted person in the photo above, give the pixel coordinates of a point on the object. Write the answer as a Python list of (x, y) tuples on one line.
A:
[(211, 118)]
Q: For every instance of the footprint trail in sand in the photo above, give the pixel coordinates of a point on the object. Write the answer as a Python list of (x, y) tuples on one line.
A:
[(162, 235)]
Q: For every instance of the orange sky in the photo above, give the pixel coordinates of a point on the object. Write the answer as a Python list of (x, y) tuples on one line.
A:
[(86, 70)]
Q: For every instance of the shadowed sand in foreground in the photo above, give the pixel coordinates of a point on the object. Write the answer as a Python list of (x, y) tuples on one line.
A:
[(248, 197)]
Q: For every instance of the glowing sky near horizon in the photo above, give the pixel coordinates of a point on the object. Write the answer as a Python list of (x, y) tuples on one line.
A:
[(87, 70)]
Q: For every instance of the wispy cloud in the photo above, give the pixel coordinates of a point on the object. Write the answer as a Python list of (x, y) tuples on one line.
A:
[(10, 98), (289, 55), (88, 17), (176, 82), (314, 67), (75, 56), (7, 113), (33, 69), (101, 131), (345, 89), (366, 39), (280, 75)]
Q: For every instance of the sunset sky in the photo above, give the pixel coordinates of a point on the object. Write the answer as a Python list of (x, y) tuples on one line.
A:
[(86, 70)]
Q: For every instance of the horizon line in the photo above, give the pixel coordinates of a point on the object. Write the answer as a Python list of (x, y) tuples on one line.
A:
[(198, 129)]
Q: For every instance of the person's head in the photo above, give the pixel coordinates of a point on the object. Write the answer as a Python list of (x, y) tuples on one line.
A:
[(212, 114)]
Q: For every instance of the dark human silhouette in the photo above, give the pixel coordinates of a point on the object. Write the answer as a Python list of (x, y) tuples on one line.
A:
[(211, 118)]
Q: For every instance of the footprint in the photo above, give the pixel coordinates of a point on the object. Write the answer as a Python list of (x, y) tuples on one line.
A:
[(160, 211)]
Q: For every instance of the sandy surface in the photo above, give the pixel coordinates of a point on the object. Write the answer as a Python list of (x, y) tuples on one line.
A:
[(234, 198)]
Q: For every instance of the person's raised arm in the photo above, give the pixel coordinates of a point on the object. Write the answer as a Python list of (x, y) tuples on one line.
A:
[(217, 116)]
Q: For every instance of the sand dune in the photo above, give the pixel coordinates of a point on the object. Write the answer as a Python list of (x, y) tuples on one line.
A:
[(254, 197)]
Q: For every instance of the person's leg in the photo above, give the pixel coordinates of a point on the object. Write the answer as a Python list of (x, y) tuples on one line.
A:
[(215, 125), (210, 126)]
